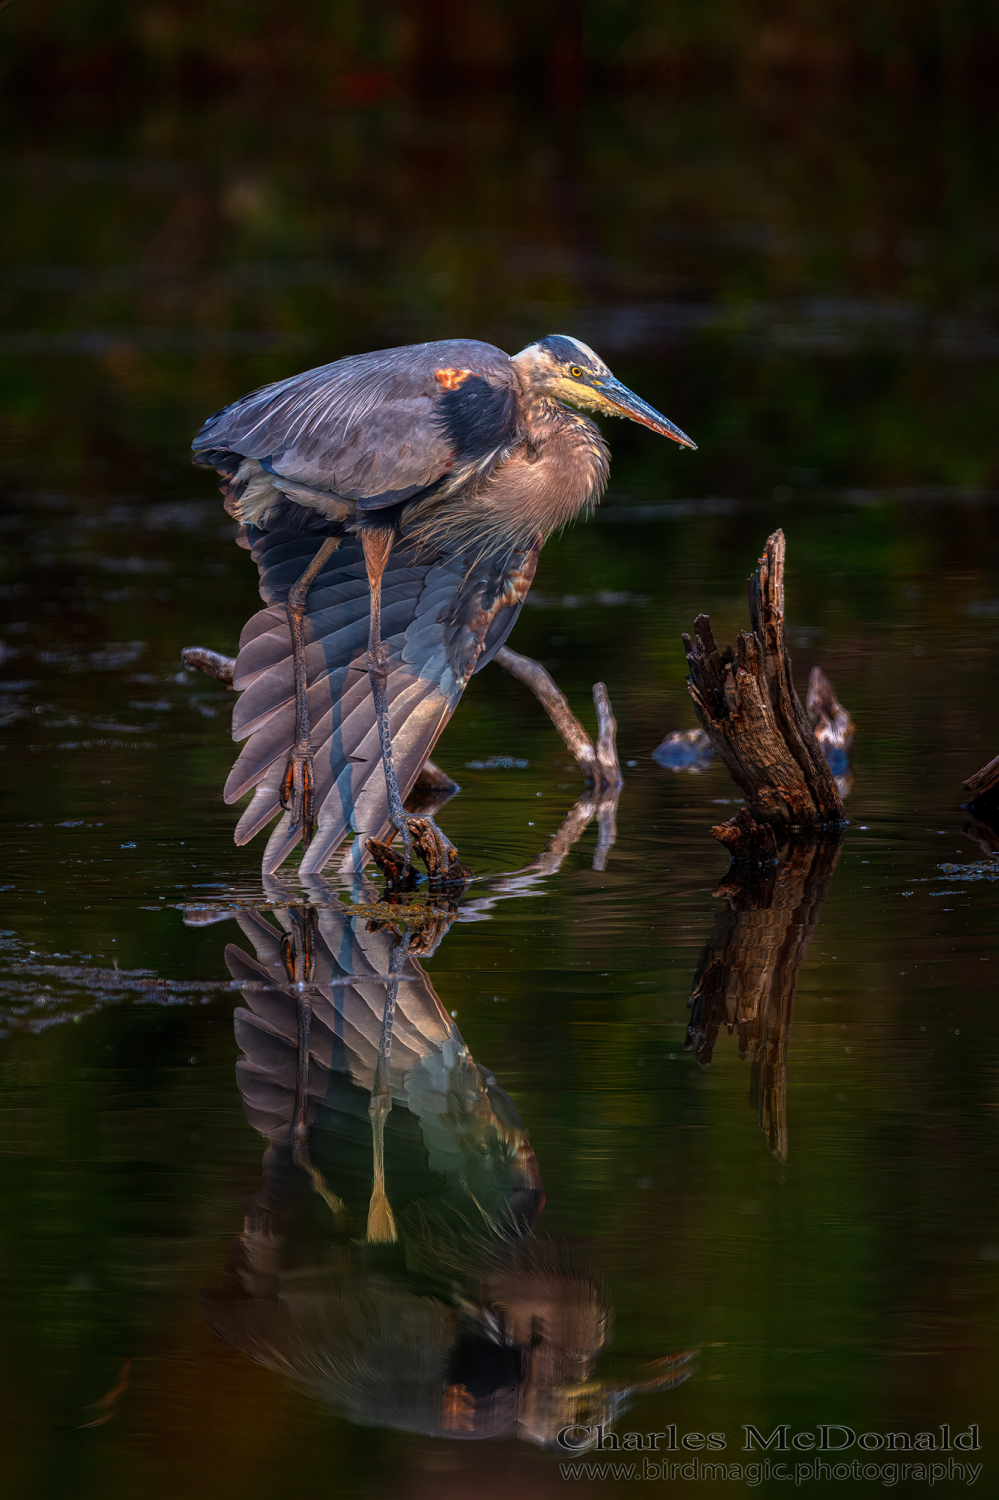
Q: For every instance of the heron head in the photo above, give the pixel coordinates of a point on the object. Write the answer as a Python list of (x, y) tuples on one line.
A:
[(568, 370)]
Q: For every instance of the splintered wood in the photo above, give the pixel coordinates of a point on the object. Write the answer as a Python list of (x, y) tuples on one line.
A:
[(745, 701)]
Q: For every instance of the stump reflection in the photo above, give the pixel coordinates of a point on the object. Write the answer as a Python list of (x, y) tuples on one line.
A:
[(746, 974)]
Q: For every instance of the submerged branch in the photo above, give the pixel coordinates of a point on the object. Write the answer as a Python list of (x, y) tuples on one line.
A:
[(599, 763), (212, 663)]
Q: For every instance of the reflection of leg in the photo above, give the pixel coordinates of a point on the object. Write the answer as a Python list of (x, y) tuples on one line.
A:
[(298, 957), (377, 546), (381, 1221), (298, 952), (298, 790), (300, 1152), (300, 1123)]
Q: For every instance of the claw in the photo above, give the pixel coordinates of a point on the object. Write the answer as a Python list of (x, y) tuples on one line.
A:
[(298, 793), (439, 855), (436, 850)]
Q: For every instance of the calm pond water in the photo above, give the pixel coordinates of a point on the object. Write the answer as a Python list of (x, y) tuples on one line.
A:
[(851, 1282), (665, 1149)]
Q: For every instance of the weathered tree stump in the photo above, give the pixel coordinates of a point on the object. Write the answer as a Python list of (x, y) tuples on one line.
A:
[(746, 974), (745, 702)]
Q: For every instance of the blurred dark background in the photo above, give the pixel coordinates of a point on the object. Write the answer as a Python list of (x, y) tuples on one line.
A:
[(776, 217)]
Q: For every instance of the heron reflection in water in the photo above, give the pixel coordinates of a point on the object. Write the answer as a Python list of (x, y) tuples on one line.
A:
[(395, 504), (387, 1265)]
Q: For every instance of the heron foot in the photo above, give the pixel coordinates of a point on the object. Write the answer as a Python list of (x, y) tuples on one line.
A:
[(439, 855), (298, 792), (444, 869), (399, 876)]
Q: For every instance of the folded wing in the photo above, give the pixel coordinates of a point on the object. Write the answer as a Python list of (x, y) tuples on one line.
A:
[(374, 428)]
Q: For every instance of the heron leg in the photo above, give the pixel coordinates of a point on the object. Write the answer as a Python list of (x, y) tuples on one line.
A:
[(298, 790), (381, 1228), (377, 546)]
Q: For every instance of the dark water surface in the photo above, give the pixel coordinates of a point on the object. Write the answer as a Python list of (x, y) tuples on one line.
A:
[(808, 1199), (853, 1282)]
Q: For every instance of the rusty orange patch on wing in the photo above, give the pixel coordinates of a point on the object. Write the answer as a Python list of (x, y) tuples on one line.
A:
[(450, 380)]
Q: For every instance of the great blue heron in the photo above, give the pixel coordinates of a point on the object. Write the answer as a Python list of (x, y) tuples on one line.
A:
[(395, 504)]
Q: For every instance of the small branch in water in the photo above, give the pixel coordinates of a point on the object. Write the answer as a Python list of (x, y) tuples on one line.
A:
[(608, 766), (599, 764), (212, 663), (745, 701)]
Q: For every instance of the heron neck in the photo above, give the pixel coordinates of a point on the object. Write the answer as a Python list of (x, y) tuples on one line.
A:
[(559, 470)]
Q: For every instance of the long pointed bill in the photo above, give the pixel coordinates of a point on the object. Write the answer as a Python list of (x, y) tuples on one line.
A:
[(626, 404)]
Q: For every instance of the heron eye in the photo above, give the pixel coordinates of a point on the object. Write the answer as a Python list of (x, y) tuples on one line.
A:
[(575, 372)]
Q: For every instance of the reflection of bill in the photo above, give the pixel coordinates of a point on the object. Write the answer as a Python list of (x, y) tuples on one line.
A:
[(746, 974), (387, 1264)]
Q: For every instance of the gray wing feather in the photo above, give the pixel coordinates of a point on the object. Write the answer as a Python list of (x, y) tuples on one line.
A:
[(346, 1020), (422, 690), (361, 427)]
